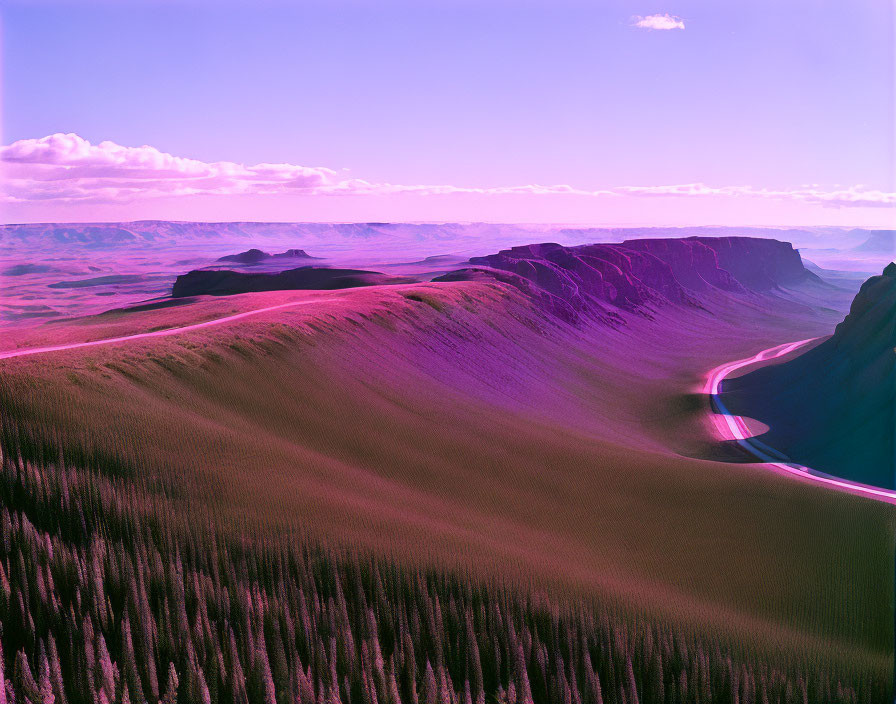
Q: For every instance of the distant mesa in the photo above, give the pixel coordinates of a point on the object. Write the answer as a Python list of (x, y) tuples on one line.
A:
[(99, 281), (833, 408), (22, 269), (92, 235), (879, 242), (226, 282), (443, 262), (30, 314), (256, 256), (440, 259), (88, 235)]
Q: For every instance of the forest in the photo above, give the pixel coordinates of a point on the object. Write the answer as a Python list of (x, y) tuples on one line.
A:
[(114, 589)]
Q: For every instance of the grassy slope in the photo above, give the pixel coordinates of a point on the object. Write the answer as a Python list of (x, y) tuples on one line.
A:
[(467, 430)]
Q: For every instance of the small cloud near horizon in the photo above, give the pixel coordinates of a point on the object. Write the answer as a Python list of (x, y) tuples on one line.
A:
[(665, 21)]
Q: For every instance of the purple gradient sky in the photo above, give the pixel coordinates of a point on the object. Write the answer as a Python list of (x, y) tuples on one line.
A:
[(792, 97)]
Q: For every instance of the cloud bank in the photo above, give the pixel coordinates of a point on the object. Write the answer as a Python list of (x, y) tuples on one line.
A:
[(659, 22), (65, 168)]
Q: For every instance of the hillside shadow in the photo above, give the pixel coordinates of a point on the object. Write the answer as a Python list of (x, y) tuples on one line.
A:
[(684, 423), (723, 451)]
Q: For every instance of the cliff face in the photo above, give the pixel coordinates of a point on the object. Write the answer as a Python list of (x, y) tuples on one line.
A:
[(606, 273), (641, 275), (757, 263), (695, 263), (832, 408), (729, 263), (872, 314)]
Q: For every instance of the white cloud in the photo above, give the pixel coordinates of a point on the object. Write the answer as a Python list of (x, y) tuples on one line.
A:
[(853, 196), (665, 21), (65, 168)]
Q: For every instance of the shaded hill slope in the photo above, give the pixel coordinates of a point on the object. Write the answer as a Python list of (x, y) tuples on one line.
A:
[(832, 408)]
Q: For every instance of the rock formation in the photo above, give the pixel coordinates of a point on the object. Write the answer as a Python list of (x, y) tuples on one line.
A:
[(256, 256), (223, 283)]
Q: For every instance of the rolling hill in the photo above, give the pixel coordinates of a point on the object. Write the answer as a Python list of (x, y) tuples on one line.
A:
[(423, 456)]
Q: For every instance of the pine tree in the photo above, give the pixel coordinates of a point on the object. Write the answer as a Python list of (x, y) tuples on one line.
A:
[(394, 696), (55, 672), (265, 688), (204, 695), (129, 662), (468, 696), (631, 682), (23, 680), (238, 679), (593, 692), (170, 696), (3, 699), (105, 677), (430, 688), (655, 687), (44, 684)]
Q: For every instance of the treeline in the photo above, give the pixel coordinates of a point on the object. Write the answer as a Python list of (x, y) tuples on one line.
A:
[(110, 592)]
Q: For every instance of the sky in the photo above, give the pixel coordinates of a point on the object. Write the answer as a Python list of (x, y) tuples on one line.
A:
[(618, 112)]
